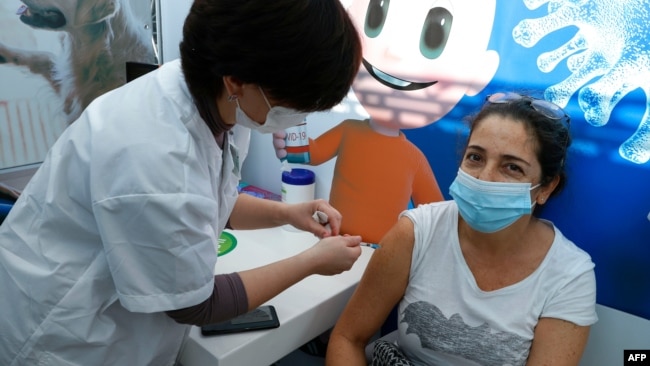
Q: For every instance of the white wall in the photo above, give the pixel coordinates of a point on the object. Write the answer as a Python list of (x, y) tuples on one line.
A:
[(172, 14)]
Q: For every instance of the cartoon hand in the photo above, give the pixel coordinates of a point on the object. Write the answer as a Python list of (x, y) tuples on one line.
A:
[(279, 144)]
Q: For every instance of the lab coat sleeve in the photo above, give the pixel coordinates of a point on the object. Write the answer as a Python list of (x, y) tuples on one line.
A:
[(159, 248)]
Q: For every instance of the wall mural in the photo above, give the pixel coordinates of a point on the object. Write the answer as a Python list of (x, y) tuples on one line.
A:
[(55, 58)]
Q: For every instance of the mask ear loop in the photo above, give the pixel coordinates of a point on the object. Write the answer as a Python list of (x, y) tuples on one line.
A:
[(232, 97), (264, 95), (532, 206)]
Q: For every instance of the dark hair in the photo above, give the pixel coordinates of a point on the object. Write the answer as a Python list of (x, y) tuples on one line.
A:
[(552, 135), (304, 53)]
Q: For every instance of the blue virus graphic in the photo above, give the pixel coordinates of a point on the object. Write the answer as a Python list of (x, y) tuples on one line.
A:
[(608, 57)]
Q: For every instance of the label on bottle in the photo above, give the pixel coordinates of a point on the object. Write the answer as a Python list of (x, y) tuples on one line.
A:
[(297, 144)]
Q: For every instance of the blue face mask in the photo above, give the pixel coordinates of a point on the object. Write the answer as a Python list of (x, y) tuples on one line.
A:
[(490, 206)]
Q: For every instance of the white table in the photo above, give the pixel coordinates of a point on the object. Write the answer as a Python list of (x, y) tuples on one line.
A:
[(305, 310)]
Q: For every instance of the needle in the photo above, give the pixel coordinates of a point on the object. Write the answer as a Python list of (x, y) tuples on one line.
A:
[(370, 245)]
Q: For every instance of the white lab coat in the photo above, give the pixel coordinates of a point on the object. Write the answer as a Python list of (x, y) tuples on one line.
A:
[(118, 225)]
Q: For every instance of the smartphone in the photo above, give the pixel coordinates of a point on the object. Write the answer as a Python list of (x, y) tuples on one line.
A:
[(263, 317)]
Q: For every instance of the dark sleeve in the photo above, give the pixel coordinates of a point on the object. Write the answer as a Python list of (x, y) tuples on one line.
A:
[(228, 300)]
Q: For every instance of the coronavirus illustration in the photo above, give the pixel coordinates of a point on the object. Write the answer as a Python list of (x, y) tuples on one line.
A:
[(608, 58)]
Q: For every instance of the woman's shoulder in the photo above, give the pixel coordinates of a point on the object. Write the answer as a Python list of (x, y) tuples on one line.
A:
[(567, 253), (438, 207), (435, 232), (434, 213)]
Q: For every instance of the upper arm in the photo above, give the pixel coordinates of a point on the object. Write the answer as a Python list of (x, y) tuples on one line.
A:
[(381, 287), (557, 342), (250, 212)]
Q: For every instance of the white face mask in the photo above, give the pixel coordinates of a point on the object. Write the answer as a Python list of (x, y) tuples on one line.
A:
[(278, 118)]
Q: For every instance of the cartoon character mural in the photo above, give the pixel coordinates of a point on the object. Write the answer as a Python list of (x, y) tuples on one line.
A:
[(420, 59), (591, 57)]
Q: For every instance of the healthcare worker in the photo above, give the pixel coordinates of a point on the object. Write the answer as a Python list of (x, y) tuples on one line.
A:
[(109, 252)]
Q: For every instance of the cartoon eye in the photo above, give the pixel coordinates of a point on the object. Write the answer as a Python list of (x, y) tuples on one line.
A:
[(375, 17), (435, 32)]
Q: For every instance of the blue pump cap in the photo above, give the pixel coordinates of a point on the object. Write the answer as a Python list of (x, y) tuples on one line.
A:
[(298, 177)]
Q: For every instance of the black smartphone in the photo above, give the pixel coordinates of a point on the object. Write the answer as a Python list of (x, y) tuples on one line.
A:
[(263, 317)]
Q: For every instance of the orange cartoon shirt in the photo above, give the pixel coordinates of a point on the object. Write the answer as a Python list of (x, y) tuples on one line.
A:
[(375, 178)]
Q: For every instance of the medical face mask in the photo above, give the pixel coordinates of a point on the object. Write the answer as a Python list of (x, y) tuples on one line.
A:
[(490, 206), (278, 118)]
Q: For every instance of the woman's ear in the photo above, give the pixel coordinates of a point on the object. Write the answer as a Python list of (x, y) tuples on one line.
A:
[(547, 190), (233, 85)]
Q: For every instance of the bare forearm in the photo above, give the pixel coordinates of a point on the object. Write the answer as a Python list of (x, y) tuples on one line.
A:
[(256, 213), (341, 351), (330, 256), (264, 283)]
